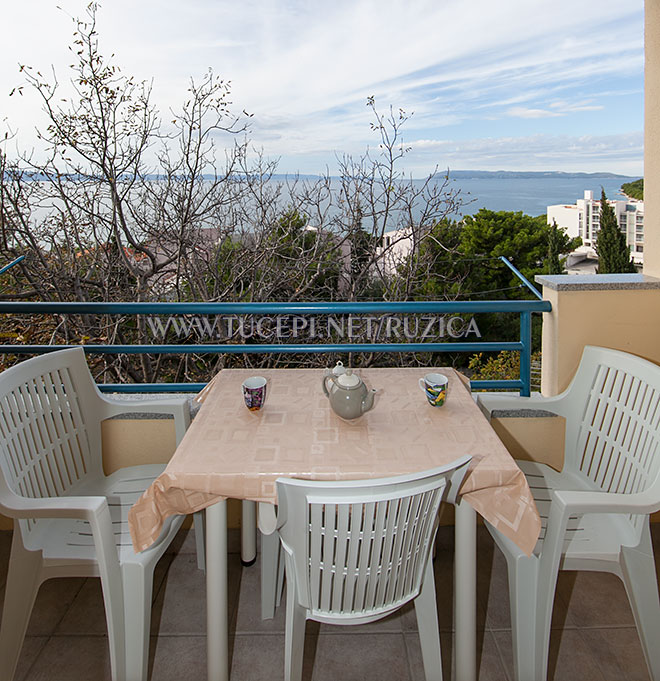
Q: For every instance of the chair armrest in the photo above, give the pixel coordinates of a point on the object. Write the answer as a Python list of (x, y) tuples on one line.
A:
[(580, 502), (83, 508), (490, 403), (179, 408), (267, 517)]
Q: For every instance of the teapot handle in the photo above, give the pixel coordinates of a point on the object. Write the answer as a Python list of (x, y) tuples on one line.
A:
[(324, 383)]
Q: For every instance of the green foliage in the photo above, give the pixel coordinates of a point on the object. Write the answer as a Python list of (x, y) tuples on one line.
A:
[(613, 252), (523, 239), (503, 366), (635, 190), (554, 264), (462, 261), (440, 260)]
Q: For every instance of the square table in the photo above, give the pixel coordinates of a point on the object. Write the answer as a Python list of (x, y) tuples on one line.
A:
[(232, 452)]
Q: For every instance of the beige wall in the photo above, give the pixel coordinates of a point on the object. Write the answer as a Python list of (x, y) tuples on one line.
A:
[(652, 139), (533, 439), (129, 442), (626, 320)]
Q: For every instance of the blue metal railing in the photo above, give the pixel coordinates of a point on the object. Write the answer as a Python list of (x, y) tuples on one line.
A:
[(524, 308)]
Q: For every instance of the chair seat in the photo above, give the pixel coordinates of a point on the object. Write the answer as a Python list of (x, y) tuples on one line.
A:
[(588, 537), (71, 539)]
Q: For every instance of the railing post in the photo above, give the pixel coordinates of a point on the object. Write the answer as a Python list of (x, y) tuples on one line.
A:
[(526, 353)]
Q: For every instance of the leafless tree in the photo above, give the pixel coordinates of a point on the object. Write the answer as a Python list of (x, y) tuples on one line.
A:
[(118, 205)]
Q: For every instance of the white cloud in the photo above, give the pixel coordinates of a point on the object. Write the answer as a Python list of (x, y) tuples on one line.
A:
[(614, 153), (305, 68), (523, 112)]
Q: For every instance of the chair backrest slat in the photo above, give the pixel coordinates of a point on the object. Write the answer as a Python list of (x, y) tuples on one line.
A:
[(355, 519), (361, 547)]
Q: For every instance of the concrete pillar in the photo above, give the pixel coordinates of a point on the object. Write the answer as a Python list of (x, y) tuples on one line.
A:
[(652, 138)]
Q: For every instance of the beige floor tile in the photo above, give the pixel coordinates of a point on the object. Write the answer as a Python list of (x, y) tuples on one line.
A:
[(32, 647), (261, 657), (53, 601), (361, 657), (493, 588), (489, 663), (570, 657), (180, 606), (618, 653), (72, 658), (248, 615), (87, 612), (414, 653), (178, 658), (596, 599)]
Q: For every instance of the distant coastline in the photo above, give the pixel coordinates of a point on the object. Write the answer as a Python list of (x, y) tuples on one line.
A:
[(492, 175), (529, 175)]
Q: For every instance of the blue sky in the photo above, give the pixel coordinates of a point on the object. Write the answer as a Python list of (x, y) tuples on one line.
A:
[(513, 85)]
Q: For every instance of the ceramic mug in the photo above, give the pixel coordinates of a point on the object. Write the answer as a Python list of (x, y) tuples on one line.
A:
[(254, 392), (435, 388)]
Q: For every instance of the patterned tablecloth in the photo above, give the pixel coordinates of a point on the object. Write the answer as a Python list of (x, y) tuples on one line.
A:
[(232, 452)]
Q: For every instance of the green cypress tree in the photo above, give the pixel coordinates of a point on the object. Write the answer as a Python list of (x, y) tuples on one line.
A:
[(553, 263), (613, 252)]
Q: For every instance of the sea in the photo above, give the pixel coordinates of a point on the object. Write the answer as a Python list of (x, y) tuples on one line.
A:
[(532, 195), (529, 192)]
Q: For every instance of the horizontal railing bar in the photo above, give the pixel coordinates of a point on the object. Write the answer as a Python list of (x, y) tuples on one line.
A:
[(516, 384), (196, 387), (468, 306), (286, 348), (150, 387)]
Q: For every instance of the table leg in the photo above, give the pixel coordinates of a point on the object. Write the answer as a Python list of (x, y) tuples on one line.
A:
[(465, 593), (217, 628), (248, 532)]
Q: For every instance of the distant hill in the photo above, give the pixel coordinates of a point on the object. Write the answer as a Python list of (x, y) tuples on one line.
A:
[(526, 175)]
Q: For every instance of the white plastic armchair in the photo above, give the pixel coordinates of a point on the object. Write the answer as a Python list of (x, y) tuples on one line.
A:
[(595, 512), (69, 518), (356, 551)]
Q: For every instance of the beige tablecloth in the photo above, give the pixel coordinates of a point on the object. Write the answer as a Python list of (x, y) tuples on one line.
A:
[(230, 451)]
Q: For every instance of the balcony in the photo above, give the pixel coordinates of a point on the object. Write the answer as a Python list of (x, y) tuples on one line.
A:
[(594, 636)]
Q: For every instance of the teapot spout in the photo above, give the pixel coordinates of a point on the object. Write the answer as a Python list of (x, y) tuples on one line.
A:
[(368, 401)]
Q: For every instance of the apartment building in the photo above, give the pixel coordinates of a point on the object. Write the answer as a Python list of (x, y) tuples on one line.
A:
[(583, 219)]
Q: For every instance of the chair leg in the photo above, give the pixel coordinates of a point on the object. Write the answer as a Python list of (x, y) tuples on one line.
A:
[(427, 625), (280, 577), (294, 638), (21, 590), (138, 587), (270, 564), (525, 632), (641, 581), (248, 532), (199, 519)]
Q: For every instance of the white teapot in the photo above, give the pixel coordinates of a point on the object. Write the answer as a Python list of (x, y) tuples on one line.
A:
[(349, 396)]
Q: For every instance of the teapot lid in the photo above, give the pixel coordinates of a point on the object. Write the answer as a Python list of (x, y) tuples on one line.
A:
[(348, 379), (338, 369)]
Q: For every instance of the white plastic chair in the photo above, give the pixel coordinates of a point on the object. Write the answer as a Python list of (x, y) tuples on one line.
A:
[(356, 551), (69, 518), (595, 511)]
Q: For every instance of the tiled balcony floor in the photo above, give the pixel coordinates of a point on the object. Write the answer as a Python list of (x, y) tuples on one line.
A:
[(593, 639)]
